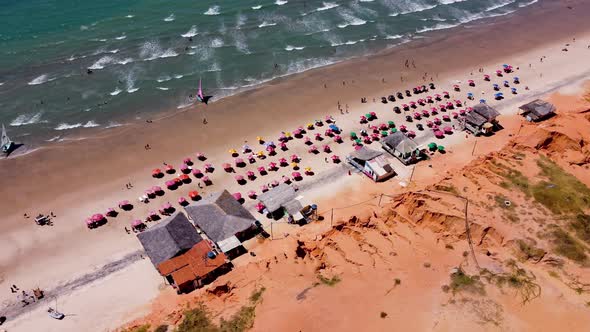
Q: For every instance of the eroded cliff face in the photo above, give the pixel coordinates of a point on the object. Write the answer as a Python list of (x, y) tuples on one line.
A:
[(495, 245)]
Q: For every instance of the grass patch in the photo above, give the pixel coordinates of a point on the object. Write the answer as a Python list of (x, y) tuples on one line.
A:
[(567, 246), (501, 202), (449, 246), (527, 251), (460, 281), (142, 328), (329, 281), (518, 278), (448, 188), (161, 328), (563, 192), (581, 226), (554, 274), (199, 319)]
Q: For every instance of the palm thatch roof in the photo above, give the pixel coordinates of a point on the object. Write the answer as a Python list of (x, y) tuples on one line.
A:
[(400, 142), (220, 216), (486, 111), (172, 236), (277, 197), (538, 109), (364, 153)]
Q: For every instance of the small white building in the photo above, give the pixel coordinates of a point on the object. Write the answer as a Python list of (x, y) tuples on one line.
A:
[(372, 163)]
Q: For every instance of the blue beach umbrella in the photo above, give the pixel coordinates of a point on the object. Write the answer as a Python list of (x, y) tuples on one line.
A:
[(513, 90), (482, 101)]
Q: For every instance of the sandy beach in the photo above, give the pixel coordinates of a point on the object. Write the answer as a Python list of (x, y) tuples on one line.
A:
[(78, 178)]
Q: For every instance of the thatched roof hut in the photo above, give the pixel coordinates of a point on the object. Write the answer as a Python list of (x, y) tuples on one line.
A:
[(220, 216), (169, 238), (486, 111), (277, 197), (537, 110)]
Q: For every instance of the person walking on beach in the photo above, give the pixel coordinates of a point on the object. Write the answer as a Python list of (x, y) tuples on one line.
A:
[(204, 121)]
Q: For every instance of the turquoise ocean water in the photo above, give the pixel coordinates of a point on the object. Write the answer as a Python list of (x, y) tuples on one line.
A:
[(147, 56)]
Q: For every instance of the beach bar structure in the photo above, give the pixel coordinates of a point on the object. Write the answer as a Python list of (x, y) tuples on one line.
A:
[(224, 220), (403, 148), (181, 255), (283, 201), (481, 120), (537, 110), (372, 163)]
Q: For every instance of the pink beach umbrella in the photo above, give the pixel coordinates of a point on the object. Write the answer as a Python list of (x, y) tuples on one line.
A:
[(184, 168), (425, 113), (295, 158), (250, 175), (471, 82), (486, 77), (450, 105), (124, 203), (260, 207), (411, 133), (329, 119), (429, 99), (238, 161), (226, 166), (285, 179), (136, 223), (338, 139), (206, 180), (237, 196), (200, 156), (499, 72), (283, 161), (252, 194), (412, 104), (296, 175), (456, 87), (152, 214), (318, 136), (307, 140), (462, 112), (373, 115), (446, 94), (169, 169), (383, 126), (182, 201), (326, 148), (446, 117), (187, 161), (283, 146), (374, 137), (437, 121), (274, 183), (403, 128), (156, 189), (448, 130), (455, 114), (367, 140), (421, 101), (208, 168), (405, 107), (363, 119), (261, 169), (329, 132), (374, 128), (442, 107), (97, 217), (111, 212), (335, 158), (264, 188), (170, 184), (433, 110), (312, 149), (429, 123), (437, 96), (272, 166), (270, 148), (197, 172), (439, 134), (239, 178)]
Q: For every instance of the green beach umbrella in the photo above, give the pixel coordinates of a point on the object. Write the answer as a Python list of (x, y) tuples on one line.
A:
[(368, 115), (393, 130), (441, 148), (432, 146), (384, 133), (358, 141), (353, 135), (391, 124)]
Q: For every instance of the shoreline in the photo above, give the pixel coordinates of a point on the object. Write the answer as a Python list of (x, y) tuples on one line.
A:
[(97, 169), (417, 40)]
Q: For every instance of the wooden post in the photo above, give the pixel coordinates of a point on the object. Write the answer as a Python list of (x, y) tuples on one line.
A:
[(272, 236), (474, 144), (380, 197), (332, 217), (412, 175)]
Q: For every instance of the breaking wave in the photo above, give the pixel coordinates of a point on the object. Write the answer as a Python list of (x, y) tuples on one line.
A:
[(190, 33), (170, 18), (26, 119), (41, 79), (213, 10)]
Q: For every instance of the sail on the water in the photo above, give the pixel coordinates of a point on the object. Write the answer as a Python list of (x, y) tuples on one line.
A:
[(200, 92), (5, 141)]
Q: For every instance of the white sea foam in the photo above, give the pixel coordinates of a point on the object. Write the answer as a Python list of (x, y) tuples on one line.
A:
[(326, 6), (102, 62), (366, 0), (294, 48), (178, 76), (169, 53), (26, 119), (257, 7), (102, 40), (214, 67), (115, 51), (414, 8), (240, 40), (130, 16), (132, 90), (53, 139), (170, 18), (439, 26), (121, 37), (266, 24), (448, 2), (116, 92), (113, 125), (216, 43), (162, 88), (213, 10), (1, 83), (350, 20), (280, 2), (90, 124), (521, 5), (41, 79), (125, 61), (190, 33), (499, 5), (65, 126), (164, 79), (393, 36)]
